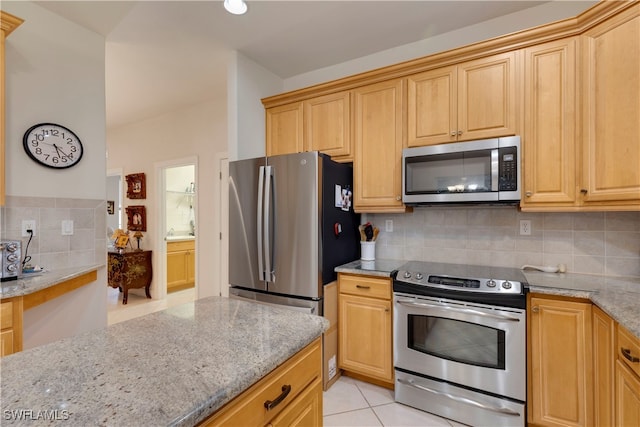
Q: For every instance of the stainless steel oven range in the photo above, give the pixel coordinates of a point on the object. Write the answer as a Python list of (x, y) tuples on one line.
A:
[(460, 342)]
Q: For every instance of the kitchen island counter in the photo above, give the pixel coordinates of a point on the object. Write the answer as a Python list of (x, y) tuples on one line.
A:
[(175, 367)]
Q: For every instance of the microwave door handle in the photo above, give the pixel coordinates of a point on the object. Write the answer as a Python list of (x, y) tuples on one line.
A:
[(259, 219), (461, 399), (495, 168), (267, 217), (412, 303)]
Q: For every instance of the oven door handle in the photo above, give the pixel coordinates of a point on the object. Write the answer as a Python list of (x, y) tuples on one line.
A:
[(412, 303), (461, 399)]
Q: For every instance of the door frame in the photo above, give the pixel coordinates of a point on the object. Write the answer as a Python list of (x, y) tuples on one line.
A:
[(160, 256), (221, 161)]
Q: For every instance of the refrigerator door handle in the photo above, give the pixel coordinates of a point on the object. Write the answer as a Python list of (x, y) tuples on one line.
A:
[(259, 216), (266, 218)]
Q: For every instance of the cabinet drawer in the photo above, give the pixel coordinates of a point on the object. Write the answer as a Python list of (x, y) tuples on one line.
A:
[(6, 318), (629, 349), (249, 409), (365, 286), (187, 245)]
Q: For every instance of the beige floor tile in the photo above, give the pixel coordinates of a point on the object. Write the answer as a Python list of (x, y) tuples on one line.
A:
[(343, 396), (375, 395), (359, 418)]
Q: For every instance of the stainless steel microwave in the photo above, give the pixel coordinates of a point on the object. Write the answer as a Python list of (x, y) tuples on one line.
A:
[(481, 171)]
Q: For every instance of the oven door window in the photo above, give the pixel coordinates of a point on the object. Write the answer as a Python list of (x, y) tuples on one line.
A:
[(464, 342)]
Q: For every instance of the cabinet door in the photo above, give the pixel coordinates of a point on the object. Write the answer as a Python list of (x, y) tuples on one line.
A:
[(284, 129), (378, 147), (549, 147), (627, 397), (604, 353), (611, 152), (176, 269), (432, 107), (305, 411), (365, 343), (327, 124), (487, 97), (6, 342), (191, 267), (561, 382)]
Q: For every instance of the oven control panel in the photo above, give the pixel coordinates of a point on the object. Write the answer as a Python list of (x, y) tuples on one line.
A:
[(465, 284)]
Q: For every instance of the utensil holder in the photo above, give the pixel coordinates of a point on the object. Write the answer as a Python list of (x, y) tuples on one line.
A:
[(367, 251)]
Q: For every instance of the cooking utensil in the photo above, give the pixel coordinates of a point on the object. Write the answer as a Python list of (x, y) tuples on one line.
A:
[(368, 231)]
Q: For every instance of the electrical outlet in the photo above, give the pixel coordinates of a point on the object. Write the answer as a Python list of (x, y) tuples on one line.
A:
[(525, 227), (388, 226), (67, 227), (28, 224)]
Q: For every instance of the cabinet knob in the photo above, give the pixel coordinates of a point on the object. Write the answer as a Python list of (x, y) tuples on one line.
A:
[(398, 198), (528, 194), (459, 132), (453, 133), (584, 191), (535, 309)]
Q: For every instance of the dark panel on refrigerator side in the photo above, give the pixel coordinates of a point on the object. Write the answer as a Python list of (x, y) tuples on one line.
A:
[(343, 247)]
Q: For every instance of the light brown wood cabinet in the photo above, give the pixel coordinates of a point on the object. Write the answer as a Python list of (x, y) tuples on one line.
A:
[(604, 353), (10, 326), (611, 102), (8, 23), (627, 379), (471, 100), (181, 262), (365, 340), (378, 137), (550, 125), (300, 405), (560, 378), (321, 123)]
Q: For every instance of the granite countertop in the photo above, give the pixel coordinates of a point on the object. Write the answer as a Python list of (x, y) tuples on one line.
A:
[(33, 282), (170, 368), (619, 297)]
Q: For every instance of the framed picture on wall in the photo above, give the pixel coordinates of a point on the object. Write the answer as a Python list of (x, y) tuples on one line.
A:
[(136, 218), (110, 207), (136, 186)]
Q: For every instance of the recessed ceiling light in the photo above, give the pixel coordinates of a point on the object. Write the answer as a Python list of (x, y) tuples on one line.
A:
[(237, 7)]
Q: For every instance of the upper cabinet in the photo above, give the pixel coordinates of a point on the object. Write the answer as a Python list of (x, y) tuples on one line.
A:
[(549, 131), (611, 114), (471, 100), (284, 129), (317, 124), (8, 23), (378, 125)]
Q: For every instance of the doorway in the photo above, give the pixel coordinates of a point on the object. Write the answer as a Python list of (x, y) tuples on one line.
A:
[(114, 203), (177, 226)]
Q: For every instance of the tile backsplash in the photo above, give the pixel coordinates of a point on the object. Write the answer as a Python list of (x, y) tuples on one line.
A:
[(601, 243), (49, 248)]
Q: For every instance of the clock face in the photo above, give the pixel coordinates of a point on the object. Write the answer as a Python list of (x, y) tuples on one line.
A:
[(52, 145)]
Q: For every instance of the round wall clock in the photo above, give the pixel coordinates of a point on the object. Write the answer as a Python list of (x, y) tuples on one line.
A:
[(52, 145)]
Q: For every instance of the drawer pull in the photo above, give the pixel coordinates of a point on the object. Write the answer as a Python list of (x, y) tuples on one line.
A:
[(627, 355), (363, 287), (270, 404)]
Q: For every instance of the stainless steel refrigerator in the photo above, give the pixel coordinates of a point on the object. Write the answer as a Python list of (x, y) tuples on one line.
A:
[(291, 223)]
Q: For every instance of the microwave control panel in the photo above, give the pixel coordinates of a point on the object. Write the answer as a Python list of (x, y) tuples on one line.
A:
[(508, 169)]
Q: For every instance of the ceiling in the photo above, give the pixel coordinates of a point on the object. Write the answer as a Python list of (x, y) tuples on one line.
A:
[(166, 55)]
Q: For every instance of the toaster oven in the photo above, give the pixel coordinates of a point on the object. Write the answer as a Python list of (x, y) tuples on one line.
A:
[(10, 262)]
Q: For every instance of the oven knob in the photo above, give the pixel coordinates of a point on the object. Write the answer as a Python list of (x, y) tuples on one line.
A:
[(506, 285), (11, 247), (407, 274), (491, 283), (12, 257), (419, 276), (12, 267)]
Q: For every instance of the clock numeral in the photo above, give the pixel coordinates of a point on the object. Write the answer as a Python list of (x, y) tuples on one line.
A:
[(34, 143), (40, 137), (38, 150), (54, 132), (73, 149)]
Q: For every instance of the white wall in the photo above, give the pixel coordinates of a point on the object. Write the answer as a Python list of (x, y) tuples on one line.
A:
[(529, 18), (198, 131), (55, 73), (247, 84)]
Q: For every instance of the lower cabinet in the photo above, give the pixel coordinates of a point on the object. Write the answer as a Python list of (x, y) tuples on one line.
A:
[(181, 262), (604, 353), (365, 341), (291, 395), (11, 326), (627, 379), (560, 362)]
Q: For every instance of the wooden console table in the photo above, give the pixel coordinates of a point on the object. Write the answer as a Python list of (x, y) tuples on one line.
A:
[(129, 270)]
